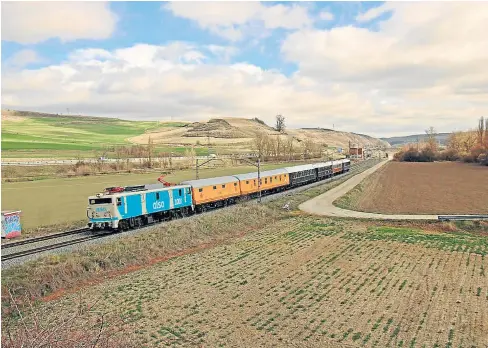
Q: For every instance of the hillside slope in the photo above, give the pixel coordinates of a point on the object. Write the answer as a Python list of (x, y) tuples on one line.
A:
[(32, 134), (239, 132), (398, 141)]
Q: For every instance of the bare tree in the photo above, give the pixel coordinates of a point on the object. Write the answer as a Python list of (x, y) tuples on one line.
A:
[(289, 147), (468, 141), (486, 133), (260, 143), (431, 140), (150, 150), (308, 148), (280, 123), (481, 130)]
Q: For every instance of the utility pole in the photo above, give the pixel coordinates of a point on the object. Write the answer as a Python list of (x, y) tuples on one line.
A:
[(259, 179), (256, 164)]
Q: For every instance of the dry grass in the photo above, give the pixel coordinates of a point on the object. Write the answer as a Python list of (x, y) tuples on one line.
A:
[(54, 272), (27, 327)]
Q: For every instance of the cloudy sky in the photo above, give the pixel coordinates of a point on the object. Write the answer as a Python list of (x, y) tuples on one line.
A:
[(377, 68)]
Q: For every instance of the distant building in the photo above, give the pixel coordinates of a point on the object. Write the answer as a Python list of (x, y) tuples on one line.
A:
[(355, 151)]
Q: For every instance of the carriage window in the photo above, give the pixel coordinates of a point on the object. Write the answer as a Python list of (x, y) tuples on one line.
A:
[(179, 192), (271, 179), (235, 184), (254, 182), (200, 190), (265, 180), (215, 187), (223, 186), (157, 195), (119, 201), (247, 181)]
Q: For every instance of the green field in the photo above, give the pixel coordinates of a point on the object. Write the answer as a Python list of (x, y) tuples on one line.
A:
[(57, 201), (74, 136)]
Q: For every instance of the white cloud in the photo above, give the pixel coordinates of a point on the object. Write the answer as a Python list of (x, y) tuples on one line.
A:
[(21, 59), (37, 21), (237, 20), (223, 52), (326, 16), (288, 17), (145, 82), (426, 63), (374, 12)]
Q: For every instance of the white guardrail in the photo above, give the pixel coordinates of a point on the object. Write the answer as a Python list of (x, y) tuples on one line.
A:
[(92, 160)]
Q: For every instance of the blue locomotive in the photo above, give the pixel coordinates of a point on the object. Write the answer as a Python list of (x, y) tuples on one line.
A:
[(132, 206)]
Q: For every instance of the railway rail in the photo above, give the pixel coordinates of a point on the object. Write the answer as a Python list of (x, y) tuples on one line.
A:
[(36, 250), (51, 247), (43, 238)]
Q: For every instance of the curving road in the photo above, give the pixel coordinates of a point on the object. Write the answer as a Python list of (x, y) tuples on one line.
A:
[(322, 205)]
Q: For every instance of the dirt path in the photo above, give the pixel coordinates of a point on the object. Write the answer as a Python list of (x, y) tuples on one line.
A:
[(322, 205)]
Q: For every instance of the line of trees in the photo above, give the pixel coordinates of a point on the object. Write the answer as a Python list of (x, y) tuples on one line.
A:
[(467, 146), (285, 148)]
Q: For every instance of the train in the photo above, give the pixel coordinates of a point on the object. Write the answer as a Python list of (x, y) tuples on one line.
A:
[(123, 208)]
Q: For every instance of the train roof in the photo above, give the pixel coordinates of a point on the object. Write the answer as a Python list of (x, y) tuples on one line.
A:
[(322, 164), (211, 181), (148, 188), (295, 169), (254, 175)]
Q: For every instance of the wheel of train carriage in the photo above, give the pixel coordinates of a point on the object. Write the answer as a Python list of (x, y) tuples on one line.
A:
[(123, 225)]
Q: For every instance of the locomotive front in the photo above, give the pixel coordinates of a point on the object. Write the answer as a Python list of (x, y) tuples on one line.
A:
[(102, 212)]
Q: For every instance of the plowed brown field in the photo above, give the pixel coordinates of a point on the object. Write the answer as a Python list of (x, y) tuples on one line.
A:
[(424, 188)]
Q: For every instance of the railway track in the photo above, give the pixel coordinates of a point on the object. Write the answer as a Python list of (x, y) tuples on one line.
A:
[(50, 247), (43, 238), (32, 251)]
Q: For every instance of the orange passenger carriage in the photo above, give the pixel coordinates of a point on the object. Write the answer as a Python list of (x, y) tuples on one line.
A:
[(337, 167), (214, 192), (271, 181)]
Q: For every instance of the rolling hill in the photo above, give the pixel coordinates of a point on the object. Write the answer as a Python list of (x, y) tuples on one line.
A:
[(399, 141), (238, 133), (32, 134)]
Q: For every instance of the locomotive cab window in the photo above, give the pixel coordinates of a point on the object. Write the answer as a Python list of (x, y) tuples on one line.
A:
[(101, 201), (157, 195), (188, 191), (119, 201), (179, 192)]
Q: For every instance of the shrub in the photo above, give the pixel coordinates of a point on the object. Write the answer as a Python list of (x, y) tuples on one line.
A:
[(448, 155), (483, 159), (412, 155), (427, 155)]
